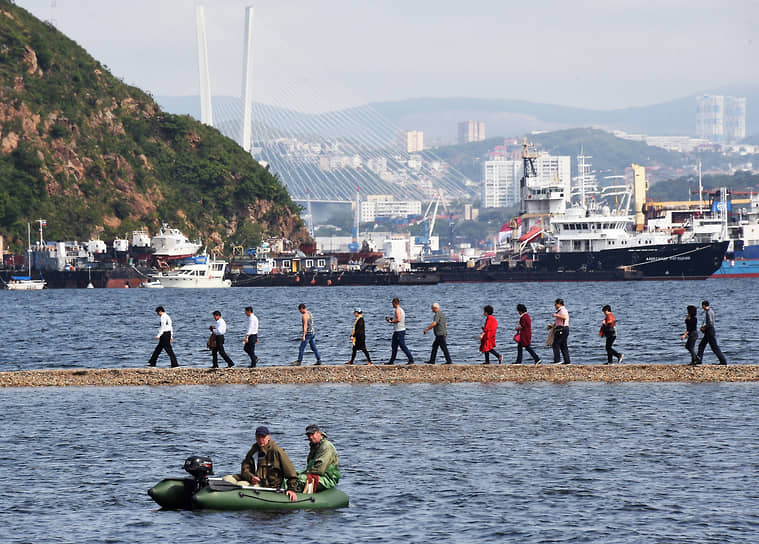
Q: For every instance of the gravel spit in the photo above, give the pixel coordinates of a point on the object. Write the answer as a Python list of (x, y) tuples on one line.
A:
[(379, 374)]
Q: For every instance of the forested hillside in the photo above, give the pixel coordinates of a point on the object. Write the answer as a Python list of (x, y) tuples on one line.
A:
[(95, 156)]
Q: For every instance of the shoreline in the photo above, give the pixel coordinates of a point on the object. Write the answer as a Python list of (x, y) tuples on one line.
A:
[(378, 374)]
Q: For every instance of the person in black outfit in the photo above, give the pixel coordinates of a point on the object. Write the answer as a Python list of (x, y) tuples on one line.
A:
[(165, 337), (359, 337), (691, 331)]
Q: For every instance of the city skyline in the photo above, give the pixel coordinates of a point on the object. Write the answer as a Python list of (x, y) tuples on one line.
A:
[(320, 57)]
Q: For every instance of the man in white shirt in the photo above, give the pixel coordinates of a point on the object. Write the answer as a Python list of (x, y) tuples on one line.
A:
[(251, 336), (219, 330), (165, 338)]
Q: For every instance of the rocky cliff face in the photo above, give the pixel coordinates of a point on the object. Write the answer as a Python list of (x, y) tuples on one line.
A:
[(97, 157)]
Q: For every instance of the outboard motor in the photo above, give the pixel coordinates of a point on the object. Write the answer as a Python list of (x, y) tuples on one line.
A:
[(200, 468)]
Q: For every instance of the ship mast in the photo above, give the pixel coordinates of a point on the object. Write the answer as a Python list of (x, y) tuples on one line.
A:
[(528, 169)]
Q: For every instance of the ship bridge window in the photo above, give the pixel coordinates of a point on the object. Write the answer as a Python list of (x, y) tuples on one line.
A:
[(309, 263), (320, 262), (285, 264)]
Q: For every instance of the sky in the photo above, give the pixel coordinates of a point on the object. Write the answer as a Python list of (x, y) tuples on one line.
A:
[(322, 55)]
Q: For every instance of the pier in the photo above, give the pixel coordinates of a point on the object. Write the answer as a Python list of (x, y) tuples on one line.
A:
[(378, 374)]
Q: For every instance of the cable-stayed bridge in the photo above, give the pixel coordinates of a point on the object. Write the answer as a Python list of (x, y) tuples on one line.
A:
[(327, 154)]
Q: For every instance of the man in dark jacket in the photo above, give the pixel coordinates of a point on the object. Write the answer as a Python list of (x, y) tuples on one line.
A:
[(709, 336), (322, 470), (267, 465)]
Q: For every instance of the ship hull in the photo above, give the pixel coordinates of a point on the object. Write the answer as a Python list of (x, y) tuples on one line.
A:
[(740, 264), (656, 262)]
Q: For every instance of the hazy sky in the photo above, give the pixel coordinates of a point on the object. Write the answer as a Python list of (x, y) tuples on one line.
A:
[(318, 55)]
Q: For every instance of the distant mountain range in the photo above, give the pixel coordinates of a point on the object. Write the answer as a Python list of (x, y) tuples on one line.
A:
[(438, 117)]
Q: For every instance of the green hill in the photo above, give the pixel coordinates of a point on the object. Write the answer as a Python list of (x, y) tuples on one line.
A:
[(609, 153), (682, 187), (93, 155)]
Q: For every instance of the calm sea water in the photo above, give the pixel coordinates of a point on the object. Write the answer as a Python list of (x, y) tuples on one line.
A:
[(116, 327), (522, 463), (455, 463)]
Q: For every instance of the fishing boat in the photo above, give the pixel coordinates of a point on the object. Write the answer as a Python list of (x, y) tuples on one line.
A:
[(201, 273), (203, 492), (152, 284), (26, 283)]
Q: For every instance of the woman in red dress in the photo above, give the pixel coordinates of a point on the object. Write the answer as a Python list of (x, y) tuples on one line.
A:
[(487, 337)]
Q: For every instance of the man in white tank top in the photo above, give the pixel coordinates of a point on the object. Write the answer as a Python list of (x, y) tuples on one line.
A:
[(398, 321)]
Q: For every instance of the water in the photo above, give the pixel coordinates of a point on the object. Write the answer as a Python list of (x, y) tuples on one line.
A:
[(421, 463), (522, 463), (116, 327)]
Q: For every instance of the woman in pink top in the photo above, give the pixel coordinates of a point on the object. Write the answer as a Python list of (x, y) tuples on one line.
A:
[(561, 326)]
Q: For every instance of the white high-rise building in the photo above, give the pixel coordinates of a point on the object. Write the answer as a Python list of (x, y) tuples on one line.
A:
[(414, 140), (386, 206), (553, 170), (721, 118), (471, 131), (501, 178), (500, 183)]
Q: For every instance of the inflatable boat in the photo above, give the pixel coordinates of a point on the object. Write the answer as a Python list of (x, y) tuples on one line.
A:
[(203, 492)]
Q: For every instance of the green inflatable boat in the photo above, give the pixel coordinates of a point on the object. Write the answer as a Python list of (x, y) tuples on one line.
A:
[(202, 492)]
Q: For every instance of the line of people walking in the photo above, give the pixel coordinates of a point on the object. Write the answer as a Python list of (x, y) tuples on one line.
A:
[(557, 338), (215, 342)]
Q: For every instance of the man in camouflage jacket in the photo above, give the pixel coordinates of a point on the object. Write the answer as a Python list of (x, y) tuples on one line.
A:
[(322, 470)]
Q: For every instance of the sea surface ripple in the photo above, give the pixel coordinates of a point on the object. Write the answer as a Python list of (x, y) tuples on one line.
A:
[(522, 463), (114, 328)]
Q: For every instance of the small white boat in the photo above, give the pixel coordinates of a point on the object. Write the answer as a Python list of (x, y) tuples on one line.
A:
[(25, 283), (208, 274), (152, 284)]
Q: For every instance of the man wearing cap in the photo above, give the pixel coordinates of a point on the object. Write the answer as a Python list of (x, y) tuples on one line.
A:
[(439, 326), (267, 465), (358, 337), (322, 470)]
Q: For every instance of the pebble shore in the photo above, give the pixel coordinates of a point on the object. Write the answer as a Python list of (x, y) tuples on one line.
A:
[(379, 374)]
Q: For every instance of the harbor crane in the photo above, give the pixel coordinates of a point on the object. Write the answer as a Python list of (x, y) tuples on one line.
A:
[(430, 220)]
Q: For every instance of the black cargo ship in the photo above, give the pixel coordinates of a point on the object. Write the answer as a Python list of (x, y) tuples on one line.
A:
[(686, 261)]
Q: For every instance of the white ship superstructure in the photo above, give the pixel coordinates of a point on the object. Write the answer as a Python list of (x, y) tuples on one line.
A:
[(170, 243)]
